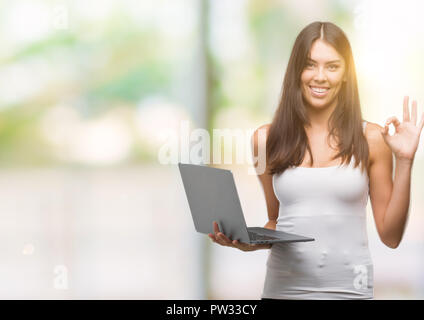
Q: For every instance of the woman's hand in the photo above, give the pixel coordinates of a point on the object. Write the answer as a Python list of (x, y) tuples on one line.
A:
[(223, 240), (404, 142)]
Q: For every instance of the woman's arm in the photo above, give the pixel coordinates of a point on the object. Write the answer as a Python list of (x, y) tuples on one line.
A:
[(272, 203), (258, 141), (389, 199), (397, 210)]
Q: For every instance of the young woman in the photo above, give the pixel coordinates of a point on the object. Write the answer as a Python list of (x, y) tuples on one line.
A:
[(322, 162)]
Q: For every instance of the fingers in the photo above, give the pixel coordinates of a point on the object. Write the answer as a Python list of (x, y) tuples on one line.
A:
[(414, 116), (395, 122), (406, 116), (414, 112), (421, 124), (219, 236), (385, 130), (215, 227), (242, 246), (223, 240), (250, 247), (216, 239), (212, 237), (406, 108)]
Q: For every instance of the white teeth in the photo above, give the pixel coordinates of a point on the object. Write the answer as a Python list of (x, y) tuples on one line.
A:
[(319, 90)]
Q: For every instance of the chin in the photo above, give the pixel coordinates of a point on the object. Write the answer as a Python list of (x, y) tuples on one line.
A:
[(319, 104)]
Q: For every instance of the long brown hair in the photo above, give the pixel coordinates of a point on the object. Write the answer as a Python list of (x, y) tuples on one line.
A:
[(287, 140)]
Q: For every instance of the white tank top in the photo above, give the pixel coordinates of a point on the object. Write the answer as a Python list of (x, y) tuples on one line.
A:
[(329, 205)]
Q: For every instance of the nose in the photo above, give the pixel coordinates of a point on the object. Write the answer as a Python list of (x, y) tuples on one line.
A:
[(320, 75)]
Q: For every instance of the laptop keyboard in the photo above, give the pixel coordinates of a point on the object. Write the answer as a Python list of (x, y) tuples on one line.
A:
[(255, 236)]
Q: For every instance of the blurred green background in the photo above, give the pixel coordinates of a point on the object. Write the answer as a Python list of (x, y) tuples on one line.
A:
[(87, 90)]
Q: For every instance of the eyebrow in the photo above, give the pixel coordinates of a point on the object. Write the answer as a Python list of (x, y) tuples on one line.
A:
[(309, 59)]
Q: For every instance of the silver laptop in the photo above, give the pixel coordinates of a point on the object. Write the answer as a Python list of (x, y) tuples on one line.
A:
[(212, 196)]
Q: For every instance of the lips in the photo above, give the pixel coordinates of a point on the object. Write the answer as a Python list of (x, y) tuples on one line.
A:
[(317, 94)]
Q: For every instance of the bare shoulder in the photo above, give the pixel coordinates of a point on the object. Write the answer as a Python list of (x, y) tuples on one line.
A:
[(265, 126), (261, 133), (258, 145), (377, 146)]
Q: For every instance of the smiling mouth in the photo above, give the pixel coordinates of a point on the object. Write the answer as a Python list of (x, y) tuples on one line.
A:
[(318, 92)]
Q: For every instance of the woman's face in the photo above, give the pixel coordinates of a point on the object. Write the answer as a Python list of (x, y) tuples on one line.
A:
[(323, 75)]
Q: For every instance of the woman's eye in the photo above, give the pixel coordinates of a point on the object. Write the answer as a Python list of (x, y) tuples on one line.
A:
[(333, 67)]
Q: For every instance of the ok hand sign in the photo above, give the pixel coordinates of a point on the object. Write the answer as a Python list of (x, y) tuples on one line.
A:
[(404, 142)]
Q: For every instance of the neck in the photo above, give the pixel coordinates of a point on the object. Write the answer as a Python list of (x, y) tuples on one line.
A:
[(319, 117)]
